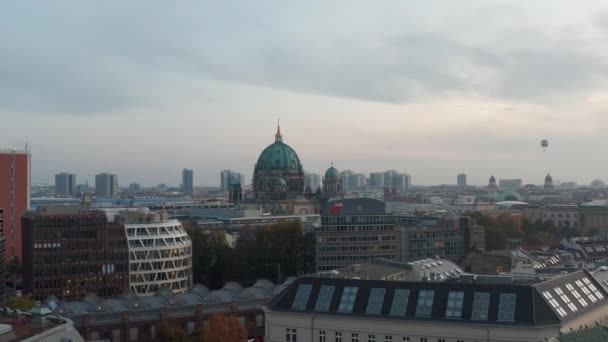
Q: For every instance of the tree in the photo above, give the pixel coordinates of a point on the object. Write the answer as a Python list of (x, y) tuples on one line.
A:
[(224, 328), (23, 303), (171, 331)]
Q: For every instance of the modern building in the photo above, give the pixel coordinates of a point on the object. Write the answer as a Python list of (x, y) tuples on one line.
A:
[(106, 185), (346, 178), (278, 173), (461, 180), (376, 179), (389, 178), (65, 184), (69, 251), (402, 181), (326, 309), (446, 238), (312, 180), (14, 198), (134, 188), (511, 184), (130, 317), (355, 230), (187, 181), (160, 252)]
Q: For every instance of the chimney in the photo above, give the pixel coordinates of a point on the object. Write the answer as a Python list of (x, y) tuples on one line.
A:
[(39, 314)]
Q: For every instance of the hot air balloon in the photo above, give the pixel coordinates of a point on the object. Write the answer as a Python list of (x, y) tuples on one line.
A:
[(544, 143)]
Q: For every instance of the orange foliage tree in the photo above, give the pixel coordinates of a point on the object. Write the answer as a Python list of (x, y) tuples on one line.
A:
[(224, 328)]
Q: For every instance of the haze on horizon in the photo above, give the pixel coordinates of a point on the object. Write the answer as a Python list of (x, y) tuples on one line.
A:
[(144, 89)]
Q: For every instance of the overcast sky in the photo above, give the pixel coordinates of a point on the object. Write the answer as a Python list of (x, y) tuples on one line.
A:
[(432, 88)]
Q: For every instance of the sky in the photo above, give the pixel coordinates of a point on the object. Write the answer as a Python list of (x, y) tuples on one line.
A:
[(432, 88)]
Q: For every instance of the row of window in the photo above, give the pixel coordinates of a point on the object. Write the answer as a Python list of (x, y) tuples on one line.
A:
[(356, 238), (354, 257), (356, 248), (424, 305), (291, 335)]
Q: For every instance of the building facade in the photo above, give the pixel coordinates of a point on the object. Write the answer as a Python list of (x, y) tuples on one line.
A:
[(512, 184), (160, 253), (188, 181), (376, 179), (332, 183), (353, 310), (312, 180), (69, 251), (65, 184), (14, 198), (106, 185), (461, 180), (355, 230)]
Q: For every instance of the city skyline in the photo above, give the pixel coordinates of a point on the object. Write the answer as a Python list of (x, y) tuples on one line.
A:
[(442, 97)]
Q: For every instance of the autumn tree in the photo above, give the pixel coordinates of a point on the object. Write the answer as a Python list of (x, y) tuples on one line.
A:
[(172, 331), (23, 303), (224, 328)]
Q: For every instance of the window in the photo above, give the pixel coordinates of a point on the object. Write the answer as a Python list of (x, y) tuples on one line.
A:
[(291, 335), (423, 339), (324, 299), (388, 338), (424, 306), (441, 340), (554, 304), (322, 336), (506, 307), (355, 337), (348, 299), (371, 338), (400, 300), (301, 299), (338, 337), (376, 299), (454, 307), (406, 339), (481, 303)]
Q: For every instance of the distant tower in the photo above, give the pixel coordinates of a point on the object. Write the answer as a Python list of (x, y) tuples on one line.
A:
[(461, 180), (332, 183), (492, 184), (236, 190), (548, 182)]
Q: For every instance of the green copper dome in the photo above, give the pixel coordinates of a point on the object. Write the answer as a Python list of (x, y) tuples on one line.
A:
[(279, 157), (332, 172)]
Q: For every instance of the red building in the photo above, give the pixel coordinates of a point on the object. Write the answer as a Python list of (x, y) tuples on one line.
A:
[(14, 197)]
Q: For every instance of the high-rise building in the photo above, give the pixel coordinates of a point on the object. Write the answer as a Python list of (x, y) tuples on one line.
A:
[(402, 181), (346, 178), (358, 180), (187, 181), (227, 177), (353, 231), (512, 184), (389, 178), (65, 184), (134, 187), (14, 197), (160, 252), (106, 185), (461, 180), (69, 251), (313, 180), (376, 179)]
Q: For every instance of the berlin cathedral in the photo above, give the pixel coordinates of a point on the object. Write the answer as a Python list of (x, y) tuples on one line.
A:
[(279, 182)]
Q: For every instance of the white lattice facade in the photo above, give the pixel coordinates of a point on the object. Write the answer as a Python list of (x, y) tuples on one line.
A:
[(160, 256)]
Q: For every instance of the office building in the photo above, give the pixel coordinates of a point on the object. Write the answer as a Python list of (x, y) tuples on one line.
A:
[(511, 184), (358, 180), (187, 181), (355, 230), (160, 252), (389, 178), (376, 179), (227, 177), (69, 251), (461, 180), (65, 184), (332, 309), (106, 185), (346, 178), (402, 182), (134, 188), (313, 180), (14, 197)]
